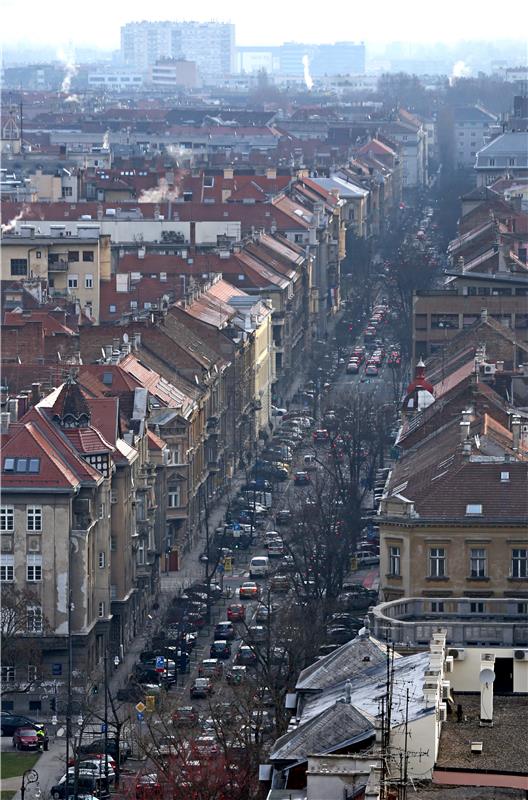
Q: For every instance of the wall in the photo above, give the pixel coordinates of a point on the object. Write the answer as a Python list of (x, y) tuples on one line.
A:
[(465, 675)]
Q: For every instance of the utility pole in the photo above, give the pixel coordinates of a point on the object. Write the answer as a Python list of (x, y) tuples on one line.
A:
[(106, 690)]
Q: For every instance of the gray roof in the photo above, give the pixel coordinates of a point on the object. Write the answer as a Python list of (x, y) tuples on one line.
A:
[(360, 655), (367, 689), (507, 145), (334, 728), (473, 114)]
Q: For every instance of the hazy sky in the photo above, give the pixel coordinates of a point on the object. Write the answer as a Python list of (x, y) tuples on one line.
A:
[(97, 22)]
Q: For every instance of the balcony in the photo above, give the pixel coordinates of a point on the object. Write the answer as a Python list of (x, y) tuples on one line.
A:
[(213, 466), (62, 265)]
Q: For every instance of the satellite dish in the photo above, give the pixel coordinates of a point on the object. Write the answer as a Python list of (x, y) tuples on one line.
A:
[(487, 676), (125, 338)]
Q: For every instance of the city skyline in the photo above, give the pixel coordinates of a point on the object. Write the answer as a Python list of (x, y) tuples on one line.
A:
[(457, 23)]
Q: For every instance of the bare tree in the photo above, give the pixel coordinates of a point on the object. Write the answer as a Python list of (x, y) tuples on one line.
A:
[(21, 639)]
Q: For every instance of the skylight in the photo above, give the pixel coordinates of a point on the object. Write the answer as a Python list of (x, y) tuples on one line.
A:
[(473, 509)]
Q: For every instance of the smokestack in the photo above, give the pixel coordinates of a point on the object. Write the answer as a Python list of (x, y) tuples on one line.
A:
[(486, 678), (348, 692), (35, 394), (464, 426), (5, 421), (484, 314), (516, 432)]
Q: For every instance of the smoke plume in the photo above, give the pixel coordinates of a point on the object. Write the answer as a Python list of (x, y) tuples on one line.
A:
[(70, 70), (159, 194), (307, 77), (8, 226), (460, 70)]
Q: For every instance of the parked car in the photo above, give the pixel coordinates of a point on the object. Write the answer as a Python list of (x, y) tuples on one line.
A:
[(122, 751), (352, 368), (236, 612), (236, 675), (371, 370), (320, 436), (10, 722), (26, 738), (148, 787), (256, 633), (202, 687), (279, 583)]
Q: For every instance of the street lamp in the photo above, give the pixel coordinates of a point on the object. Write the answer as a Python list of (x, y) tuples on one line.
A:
[(29, 776)]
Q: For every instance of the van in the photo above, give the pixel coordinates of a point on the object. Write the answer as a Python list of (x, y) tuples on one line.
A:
[(259, 567), (309, 463)]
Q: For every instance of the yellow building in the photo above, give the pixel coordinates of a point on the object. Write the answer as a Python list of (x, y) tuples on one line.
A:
[(72, 266)]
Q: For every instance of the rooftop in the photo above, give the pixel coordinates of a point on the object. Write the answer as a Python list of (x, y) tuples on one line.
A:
[(504, 745)]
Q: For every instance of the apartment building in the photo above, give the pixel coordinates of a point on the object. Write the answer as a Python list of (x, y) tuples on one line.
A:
[(471, 131), (70, 267), (506, 155), (454, 511), (210, 44)]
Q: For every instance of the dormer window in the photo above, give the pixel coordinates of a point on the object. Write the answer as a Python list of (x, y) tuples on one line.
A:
[(505, 477)]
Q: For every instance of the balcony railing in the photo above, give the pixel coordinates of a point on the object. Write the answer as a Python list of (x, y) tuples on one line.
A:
[(58, 266)]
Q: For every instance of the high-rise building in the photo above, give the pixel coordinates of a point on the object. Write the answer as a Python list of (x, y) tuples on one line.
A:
[(210, 44)]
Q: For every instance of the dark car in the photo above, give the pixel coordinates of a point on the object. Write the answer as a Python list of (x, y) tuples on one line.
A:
[(220, 649), (112, 748), (27, 738), (224, 630), (259, 485), (301, 478), (283, 517), (202, 687), (245, 657), (10, 722), (86, 784), (185, 716)]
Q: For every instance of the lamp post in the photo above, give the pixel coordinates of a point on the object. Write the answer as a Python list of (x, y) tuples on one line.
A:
[(29, 776)]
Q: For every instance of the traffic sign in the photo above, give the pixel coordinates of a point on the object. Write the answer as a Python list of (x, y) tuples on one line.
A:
[(103, 727), (228, 564), (236, 526), (140, 716), (160, 664), (140, 707)]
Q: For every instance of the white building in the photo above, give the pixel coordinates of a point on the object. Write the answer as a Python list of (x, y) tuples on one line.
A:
[(210, 44), (117, 80), (471, 130)]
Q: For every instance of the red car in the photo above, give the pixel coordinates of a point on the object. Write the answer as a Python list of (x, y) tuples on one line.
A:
[(27, 739), (236, 612)]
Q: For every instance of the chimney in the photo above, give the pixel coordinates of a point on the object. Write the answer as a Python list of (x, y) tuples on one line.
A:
[(5, 421), (516, 432), (484, 314), (348, 692), (486, 678), (35, 394), (465, 425)]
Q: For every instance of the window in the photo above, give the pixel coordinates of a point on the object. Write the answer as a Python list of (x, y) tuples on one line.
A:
[(437, 562), (112, 309), (102, 559), (67, 191), (141, 553), (491, 162), (133, 304), (88, 255), (35, 705), (101, 609), (73, 281), (476, 608), (88, 281), (437, 606), (7, 568), (478, 562), (8, 676), (512, 162), (473, 509), (298, 238), (7, 517), (73, 255), (34, 568), (34, 518), (32, 673), (19, 266), (505, 477), (34, 619), (56, 668), (174, 497), (520, 563), (394, 560)]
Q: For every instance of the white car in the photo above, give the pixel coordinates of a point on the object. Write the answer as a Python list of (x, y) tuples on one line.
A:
[(278, 412)]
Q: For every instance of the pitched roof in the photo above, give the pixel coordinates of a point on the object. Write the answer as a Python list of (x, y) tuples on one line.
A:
[(360, 654), (333, 729)]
